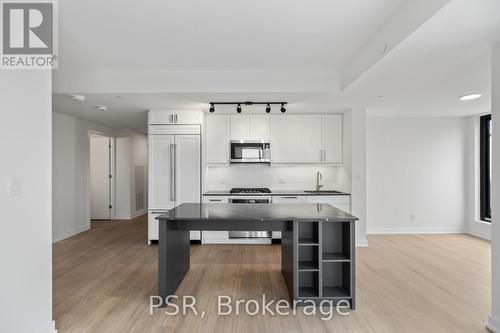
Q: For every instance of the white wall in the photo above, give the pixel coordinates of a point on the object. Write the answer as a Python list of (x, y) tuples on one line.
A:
[(358, 151), (131, 152), (71, 162), (417, 166), (25, 239), (494, 321)]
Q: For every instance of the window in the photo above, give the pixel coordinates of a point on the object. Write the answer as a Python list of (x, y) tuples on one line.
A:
[(485, 165)]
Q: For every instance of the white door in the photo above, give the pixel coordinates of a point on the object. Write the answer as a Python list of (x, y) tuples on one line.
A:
[(161, 148), (188, 172), (240, 127), (286, 138), (260, 127), (312, 138), (100, 181), (332, 138), (217, 139)]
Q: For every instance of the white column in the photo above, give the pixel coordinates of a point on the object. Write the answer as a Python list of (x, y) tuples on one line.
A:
[(494, 322), (358, 173), (25, 201)]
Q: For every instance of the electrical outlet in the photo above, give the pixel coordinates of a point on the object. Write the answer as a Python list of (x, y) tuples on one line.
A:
[(15, 186), (413, 218), (282, 180)]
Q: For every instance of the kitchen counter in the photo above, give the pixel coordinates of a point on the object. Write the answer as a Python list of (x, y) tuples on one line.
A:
[(273, 193), (215, 212), (317, 248)]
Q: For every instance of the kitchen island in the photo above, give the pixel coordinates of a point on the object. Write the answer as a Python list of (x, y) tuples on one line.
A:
[(318, 244)]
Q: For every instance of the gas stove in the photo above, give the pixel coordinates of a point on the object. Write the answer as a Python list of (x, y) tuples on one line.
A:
[(250, 190)]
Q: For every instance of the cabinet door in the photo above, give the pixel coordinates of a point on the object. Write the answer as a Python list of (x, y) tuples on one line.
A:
[(342, 202), (240, 127), (161, 171), (332, 138), (260, 127), (188, 173), (312, 138), (293, 199), (286, 138), (217, 139), (175, 117)]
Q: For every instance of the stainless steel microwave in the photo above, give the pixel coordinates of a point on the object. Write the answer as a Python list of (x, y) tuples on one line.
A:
[(250, 151)]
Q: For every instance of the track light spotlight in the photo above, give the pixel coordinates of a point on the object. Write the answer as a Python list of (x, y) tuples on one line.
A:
[(238, 108), (283, 110), (212, 108), (268, 108)]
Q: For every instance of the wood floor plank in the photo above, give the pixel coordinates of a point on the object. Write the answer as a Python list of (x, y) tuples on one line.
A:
[(102, 280)]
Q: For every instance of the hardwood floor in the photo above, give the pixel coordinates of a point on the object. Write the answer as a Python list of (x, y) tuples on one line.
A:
[(405, 283)]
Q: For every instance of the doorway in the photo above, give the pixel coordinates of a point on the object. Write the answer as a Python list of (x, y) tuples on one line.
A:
[(101, 177)]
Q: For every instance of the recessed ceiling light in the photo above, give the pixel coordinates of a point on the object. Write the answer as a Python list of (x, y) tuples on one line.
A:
[(470, 97), (78, 98), (102, 107)]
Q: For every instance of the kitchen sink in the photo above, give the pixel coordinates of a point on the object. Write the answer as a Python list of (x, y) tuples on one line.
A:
[(325, 191)]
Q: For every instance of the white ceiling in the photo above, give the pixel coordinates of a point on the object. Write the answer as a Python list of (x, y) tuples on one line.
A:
[(446, 57), (216, 34)]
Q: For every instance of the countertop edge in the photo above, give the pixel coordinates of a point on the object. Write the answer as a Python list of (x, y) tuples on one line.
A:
[(272, 194)]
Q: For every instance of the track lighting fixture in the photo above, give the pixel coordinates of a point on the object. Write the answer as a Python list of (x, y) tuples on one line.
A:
[(239, 109)]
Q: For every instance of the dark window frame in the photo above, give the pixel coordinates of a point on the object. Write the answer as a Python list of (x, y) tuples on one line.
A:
[(485, 164)]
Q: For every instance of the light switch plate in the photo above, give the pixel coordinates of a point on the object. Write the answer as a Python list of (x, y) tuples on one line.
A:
[(15, 186)]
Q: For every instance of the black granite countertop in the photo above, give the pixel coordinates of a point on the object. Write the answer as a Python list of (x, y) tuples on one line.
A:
[(274, 193), (260, 212)]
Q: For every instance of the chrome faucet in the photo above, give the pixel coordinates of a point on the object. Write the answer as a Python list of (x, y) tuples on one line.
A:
[(318, 178)]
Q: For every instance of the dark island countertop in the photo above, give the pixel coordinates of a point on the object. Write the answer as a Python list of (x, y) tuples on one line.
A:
[(260, 212)]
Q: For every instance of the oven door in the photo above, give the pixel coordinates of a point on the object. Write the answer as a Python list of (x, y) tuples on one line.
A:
[(249, 152), (250, 201)]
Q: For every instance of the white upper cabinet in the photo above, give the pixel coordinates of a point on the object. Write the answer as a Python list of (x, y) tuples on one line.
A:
[(312, 147), (173, 117), (250, 127), (286, 138), (217, 138), (240, 127), (260, 127), (332, 138), (295, 138)]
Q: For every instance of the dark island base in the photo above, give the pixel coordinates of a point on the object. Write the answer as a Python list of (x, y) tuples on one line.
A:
[(318, 257)]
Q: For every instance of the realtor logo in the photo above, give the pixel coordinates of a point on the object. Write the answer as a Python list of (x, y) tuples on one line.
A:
[(28, 34)]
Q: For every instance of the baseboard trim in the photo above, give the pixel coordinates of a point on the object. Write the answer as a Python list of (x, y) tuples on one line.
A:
[(493, 324), (416, 230), (49, 328), (70, 233), (139, 213), (361, 242)]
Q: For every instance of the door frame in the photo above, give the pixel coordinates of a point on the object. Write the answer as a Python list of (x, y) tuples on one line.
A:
[(112, 169)]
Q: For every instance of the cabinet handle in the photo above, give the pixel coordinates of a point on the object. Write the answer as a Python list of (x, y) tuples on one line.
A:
[(172, 180), (175, 118), (215, 200), (289, 197), (324, 155)]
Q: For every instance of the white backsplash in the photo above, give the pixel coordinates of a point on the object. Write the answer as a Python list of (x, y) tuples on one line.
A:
[(300, 177)]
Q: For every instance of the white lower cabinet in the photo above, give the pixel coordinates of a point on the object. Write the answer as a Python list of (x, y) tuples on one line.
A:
[(342, 202), (215, 237), (286, 199)]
